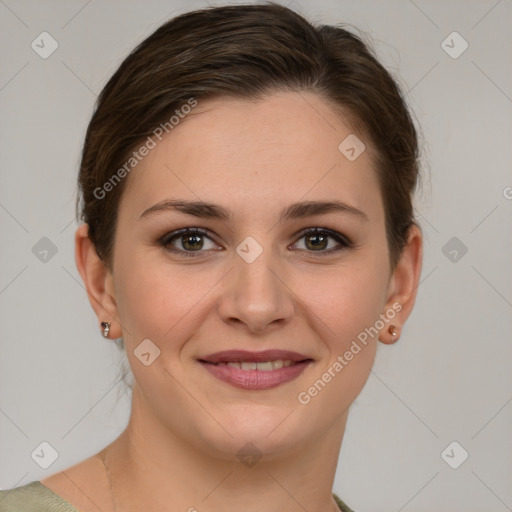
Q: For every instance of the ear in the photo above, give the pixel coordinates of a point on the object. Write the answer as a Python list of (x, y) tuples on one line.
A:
[(403, 285), (98, 281)]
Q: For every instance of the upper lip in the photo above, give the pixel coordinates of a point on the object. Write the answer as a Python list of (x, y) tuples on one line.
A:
[(227, 356)]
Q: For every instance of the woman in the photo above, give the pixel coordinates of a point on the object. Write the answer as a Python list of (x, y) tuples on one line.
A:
[(246, 195)]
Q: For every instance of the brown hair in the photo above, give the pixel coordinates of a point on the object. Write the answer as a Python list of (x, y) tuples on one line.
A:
[(246, 51)]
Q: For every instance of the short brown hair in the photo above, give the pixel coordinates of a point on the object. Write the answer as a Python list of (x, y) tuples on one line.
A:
[(247, 51)]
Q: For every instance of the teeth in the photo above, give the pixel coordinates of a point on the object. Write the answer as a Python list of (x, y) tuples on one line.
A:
[(266, 366)]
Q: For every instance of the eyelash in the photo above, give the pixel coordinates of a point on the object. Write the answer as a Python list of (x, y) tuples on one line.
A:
[(344, 242)]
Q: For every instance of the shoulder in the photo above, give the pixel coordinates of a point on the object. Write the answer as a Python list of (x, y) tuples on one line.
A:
[(69, 490), (33, 497), (343, 506)]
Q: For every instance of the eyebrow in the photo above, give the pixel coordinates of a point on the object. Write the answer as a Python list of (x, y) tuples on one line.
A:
[(213, 211)]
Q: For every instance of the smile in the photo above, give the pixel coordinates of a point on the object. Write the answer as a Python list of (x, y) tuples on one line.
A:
[(256, 376), (266, 366)]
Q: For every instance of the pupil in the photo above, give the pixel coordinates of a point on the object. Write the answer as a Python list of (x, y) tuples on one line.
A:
[(192, 246), (316, 244)]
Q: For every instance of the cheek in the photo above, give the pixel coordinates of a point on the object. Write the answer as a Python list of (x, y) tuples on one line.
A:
[(347, 304), (159, 299), (344, 311), (346, 299)]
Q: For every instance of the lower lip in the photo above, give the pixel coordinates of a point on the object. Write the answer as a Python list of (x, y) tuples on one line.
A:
[(256, 379)]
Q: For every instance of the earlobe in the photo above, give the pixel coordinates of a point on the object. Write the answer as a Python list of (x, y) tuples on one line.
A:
[(390, 334), (96, 278), (403, 286)]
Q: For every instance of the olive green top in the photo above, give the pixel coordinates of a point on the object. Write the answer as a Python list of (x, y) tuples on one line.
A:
[(36, 497)]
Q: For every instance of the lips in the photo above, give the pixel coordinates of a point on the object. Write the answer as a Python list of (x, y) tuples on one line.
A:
[(256, 370)]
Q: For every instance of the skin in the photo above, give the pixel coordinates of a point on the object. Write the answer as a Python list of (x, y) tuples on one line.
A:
[(186, 427)]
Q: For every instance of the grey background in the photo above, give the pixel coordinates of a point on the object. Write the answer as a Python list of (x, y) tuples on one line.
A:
[(448, 378)]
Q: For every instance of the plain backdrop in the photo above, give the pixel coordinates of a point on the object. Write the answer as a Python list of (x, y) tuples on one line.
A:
[(442, 393)]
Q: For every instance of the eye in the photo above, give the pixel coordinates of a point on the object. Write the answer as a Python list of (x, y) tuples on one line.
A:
[(317, 240), (188, 240)]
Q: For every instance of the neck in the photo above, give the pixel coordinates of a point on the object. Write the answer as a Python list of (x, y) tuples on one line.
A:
[(153, 469)]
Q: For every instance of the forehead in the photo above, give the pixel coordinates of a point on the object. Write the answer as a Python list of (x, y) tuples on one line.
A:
[(245, 153)]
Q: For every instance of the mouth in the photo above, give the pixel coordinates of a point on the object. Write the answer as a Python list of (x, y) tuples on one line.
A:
[(266, 366), (256, 370)]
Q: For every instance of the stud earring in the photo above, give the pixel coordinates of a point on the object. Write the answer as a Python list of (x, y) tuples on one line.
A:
[(106, 328), (392, 330)]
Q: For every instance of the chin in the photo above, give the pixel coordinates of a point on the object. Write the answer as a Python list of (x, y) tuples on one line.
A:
[(258, 431)]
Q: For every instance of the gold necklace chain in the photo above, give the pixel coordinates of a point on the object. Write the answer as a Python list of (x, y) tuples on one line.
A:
[(105, 463)]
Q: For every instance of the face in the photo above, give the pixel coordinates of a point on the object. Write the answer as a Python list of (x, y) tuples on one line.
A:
[(258, 279)]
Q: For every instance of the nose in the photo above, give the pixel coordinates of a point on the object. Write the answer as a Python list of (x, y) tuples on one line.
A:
[(256, 296)]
